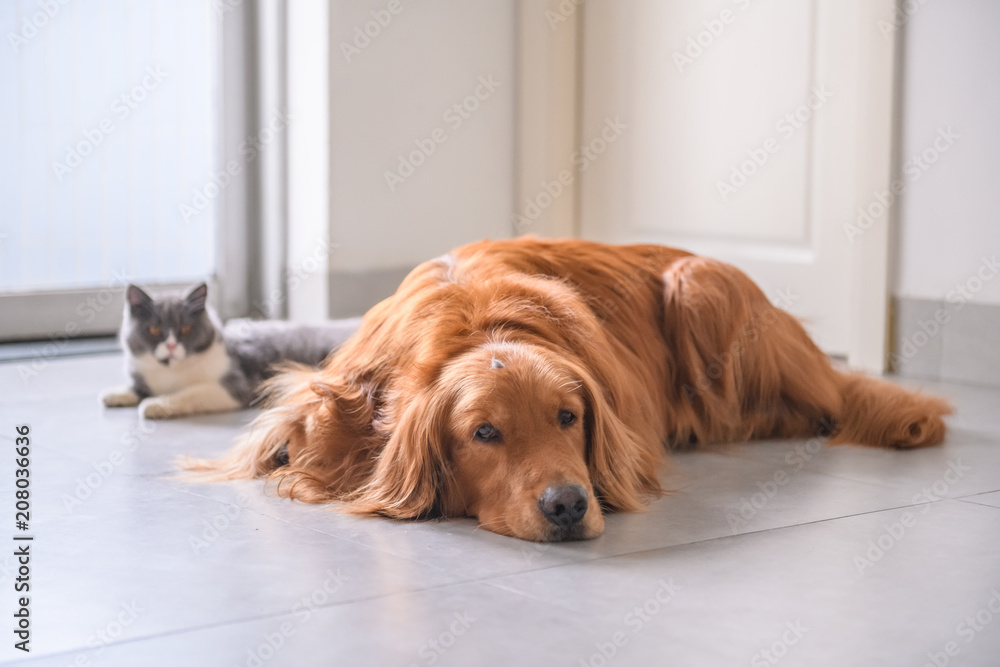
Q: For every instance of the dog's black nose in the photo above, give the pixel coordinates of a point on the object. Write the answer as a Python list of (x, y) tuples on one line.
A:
[(564, 505)]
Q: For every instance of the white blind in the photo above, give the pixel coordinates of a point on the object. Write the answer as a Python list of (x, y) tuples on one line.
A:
[(108, 125)]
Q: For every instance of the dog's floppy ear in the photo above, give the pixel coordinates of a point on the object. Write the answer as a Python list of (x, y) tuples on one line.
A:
[(410, 476), (622, 469)]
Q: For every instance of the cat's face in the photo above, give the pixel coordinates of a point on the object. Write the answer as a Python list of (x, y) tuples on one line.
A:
[(170, 328)]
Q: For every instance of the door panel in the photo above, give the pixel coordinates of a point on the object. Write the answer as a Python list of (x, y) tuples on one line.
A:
[(753, 133)]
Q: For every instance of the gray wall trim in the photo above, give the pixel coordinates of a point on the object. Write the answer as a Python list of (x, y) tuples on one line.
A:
[(352, 294), (62, 315), (954, 341)]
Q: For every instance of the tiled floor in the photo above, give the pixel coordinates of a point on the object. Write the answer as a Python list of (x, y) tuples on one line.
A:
[(772, 553)]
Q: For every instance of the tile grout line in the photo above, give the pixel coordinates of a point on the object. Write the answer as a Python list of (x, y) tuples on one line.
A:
[(492, 579), (368, 547), (727, 537), (364, 545), (973, 502), (240, 621), (300, 525)]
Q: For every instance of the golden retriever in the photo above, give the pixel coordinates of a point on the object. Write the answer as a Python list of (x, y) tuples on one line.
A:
[(536, 384)]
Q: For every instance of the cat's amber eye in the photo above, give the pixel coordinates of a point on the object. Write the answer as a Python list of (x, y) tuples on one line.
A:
[(155, 331), (185, 329)]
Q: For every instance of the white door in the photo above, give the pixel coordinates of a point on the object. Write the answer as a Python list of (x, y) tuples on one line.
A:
[(752, 132)]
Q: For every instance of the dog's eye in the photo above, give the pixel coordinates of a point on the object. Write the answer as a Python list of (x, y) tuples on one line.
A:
[(566, 418), (185, 329), (486, 433), (155, 331)]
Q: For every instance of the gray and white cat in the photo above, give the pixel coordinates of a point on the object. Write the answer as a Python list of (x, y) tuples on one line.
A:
[(181, 361)]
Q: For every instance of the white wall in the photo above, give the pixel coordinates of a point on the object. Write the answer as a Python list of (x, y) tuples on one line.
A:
[(107, 128), (950, 216), (396, 90)]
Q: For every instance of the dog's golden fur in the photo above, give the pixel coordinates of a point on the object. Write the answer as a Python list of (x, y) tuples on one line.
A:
[(649, 346)]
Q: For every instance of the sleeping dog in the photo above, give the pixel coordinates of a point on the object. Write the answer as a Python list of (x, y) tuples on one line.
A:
[(536, 384)]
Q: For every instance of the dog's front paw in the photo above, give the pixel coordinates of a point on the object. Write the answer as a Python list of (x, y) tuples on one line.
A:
[(157, 407), (120, 398)]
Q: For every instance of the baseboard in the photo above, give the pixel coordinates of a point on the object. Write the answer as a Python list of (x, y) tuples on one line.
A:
[(352, 294), (946, 341)]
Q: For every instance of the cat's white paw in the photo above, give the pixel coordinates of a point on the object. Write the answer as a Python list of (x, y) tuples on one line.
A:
[(158, 407), (120, 397)]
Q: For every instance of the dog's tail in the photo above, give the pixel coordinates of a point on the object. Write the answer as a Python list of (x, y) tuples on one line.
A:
[(261, 449), (881, 414)]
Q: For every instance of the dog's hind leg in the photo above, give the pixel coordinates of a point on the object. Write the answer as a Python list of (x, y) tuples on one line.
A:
[(741, 368), (881, 414)]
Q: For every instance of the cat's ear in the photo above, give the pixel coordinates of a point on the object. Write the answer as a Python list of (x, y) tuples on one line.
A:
[(139, 303), (196, 298)]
